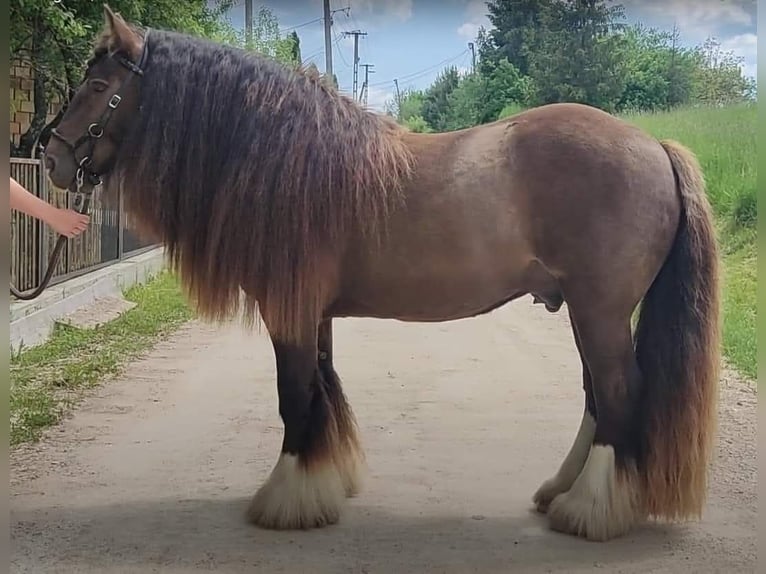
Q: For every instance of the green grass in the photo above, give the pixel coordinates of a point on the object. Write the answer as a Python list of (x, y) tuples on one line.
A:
[(724, 140), (46, 380)]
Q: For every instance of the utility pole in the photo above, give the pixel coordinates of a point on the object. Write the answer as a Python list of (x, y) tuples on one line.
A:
[(356, 34), (328, 40), (366, 85), (472, 46), (249, 22), (398, 100)]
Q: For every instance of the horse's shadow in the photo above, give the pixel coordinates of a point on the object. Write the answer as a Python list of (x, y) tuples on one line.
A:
[(212, 535)]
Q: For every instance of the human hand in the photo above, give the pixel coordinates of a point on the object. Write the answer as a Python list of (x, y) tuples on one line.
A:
[(68, 222)]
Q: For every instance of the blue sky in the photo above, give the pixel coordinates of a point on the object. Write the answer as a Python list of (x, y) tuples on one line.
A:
[(413, 40)]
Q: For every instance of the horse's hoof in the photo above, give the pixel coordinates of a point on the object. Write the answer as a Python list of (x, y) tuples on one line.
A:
[(295, 497)]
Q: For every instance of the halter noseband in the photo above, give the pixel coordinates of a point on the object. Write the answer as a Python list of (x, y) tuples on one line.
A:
[(95, 131)]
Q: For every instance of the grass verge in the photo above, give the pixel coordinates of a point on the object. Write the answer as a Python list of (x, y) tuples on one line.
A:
[(46, 380)]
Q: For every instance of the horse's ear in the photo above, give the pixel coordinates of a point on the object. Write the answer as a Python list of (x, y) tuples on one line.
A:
[(119, 35)]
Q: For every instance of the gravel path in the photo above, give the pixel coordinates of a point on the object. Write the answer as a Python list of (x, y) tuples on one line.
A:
[(461, 422)]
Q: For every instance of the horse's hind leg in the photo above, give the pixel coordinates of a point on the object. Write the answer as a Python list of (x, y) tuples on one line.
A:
[(605, 499), (319, 463), (575, 460)]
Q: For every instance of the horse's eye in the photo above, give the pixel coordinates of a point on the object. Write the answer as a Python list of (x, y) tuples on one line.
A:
[(98, 85)]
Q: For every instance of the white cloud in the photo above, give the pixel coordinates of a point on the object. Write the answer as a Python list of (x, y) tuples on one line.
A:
[(476, 17), (746, 47), (696, 18), (468, 30)]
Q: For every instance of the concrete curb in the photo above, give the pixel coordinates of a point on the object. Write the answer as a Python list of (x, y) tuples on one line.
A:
[(33, 321)]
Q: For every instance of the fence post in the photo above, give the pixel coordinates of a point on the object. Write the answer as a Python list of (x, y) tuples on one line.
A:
[(42, 245)]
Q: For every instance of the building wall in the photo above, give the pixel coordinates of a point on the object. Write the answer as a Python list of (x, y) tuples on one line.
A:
[(22, 100)]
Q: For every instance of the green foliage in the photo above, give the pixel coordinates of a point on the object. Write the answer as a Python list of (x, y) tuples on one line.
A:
[(436, 101), (504, 84), (418, 124), (464, 104), (719, 79), (510, 110), (578, 57), (480, 98), (659, 72), (518, 27), (408, 105)]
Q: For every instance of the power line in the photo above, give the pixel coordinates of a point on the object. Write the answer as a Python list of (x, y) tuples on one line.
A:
[(288, 29), (320, 51), (315, 20), (312, 55), (423, 72), (338, 38)]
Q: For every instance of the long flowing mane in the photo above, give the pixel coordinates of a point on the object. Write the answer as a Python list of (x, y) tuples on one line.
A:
[(254, 176)]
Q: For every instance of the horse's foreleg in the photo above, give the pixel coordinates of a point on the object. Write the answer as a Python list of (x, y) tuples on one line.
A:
[(605, 500), (349, 456), (318, 464)]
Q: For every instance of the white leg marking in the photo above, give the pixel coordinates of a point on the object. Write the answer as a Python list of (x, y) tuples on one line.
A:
[(571, 467), (602, 503), (296, 497)]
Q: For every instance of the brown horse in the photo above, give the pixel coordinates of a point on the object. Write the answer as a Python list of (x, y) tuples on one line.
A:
[(277, 196)]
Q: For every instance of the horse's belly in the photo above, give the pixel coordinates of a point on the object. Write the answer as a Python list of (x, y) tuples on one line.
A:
[(435, 288)]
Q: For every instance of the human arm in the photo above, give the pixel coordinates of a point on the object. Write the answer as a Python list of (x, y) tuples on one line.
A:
[(64, 221)]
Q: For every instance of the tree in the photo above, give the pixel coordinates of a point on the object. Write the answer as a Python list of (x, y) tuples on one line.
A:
[(479, 98), (659, 72), (578, 58), (408, 105), (436, 103), (719, 79), (295, 47), (267, 40), (518, 26)]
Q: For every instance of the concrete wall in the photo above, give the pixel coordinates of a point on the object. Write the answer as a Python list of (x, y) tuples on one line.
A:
[(33, 321)]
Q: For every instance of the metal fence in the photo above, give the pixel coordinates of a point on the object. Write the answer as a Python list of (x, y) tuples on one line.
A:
[(108, 239)]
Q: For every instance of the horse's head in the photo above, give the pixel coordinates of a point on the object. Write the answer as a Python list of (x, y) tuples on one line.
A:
[(84, 144)]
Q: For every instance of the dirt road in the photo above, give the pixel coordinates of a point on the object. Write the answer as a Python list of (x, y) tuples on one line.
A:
[(461, 423)]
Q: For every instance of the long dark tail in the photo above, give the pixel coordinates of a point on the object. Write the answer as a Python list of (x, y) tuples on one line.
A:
[(678, 351)]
